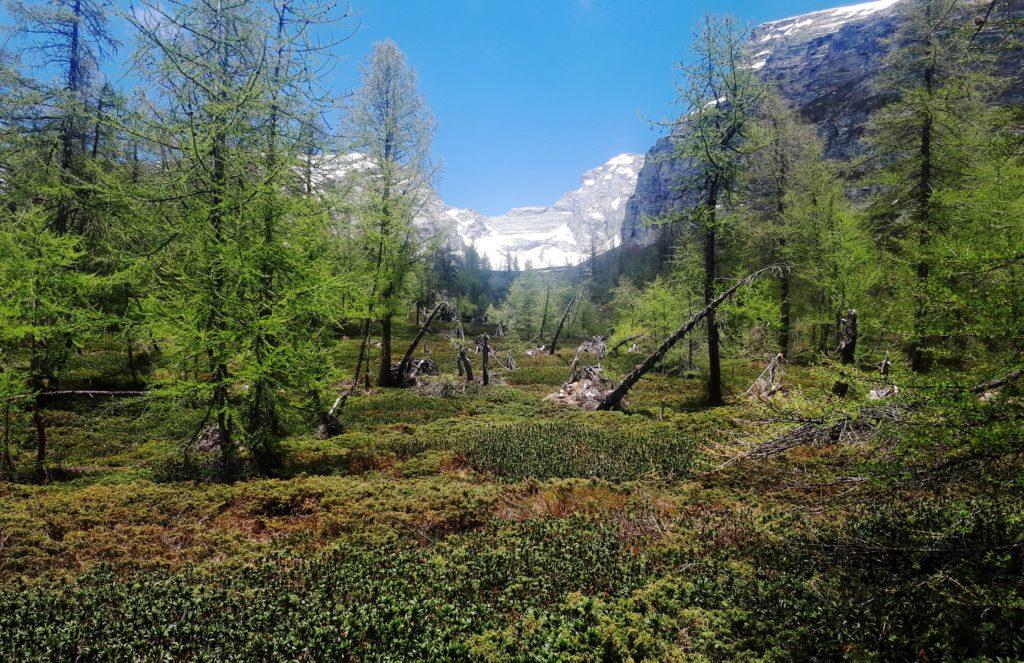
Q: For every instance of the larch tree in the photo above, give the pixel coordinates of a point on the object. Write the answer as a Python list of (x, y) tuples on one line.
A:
[(48, 286), (388, 122), (924, 140), (720, 93), (797, 209), (71, 38), (239, 248)]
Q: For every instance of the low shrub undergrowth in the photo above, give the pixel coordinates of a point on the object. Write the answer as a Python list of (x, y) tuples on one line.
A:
[(395, 602), (564, 449)]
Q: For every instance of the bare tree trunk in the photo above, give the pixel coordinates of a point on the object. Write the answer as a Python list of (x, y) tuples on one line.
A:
[(999, 382), (544, 317), (614, 399), (486, 359), (466, 366), (561, 323), (384, 375), (623, 342), (40, 425), (847, 350)]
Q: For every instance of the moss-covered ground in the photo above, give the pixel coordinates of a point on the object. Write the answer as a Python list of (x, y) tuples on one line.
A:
[(469, 522)]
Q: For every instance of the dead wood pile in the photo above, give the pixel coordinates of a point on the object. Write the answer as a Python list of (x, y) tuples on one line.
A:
[(585, 388)]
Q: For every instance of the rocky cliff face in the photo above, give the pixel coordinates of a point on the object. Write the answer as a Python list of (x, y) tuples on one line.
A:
[(823, 62)]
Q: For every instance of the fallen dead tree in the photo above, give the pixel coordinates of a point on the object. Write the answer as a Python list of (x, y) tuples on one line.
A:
[(621, 343), (818, 432), (846, 429), (614, 399), (990, 385)]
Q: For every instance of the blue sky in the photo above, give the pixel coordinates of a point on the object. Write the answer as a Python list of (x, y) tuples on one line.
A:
[(530, 93)]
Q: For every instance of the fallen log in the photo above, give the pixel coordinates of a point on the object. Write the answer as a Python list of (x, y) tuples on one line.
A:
[(845, 429), (614, 399), (92, 393), (989, 385)]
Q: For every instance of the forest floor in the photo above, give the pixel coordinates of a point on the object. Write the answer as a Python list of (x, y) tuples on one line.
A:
[(454, 522)]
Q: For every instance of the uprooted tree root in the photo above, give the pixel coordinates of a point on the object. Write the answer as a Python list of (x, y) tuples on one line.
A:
[(586, 388)]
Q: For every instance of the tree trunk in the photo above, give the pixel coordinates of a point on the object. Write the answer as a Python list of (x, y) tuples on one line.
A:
[(710, 269), (40, 425), (466, 366), (486, 360), (6, 462), (784, 321), (69, 124), (847, 350), (623, 342), (614, 399), (404, 365), (918, 354), (561, 323), (384, 375), (544, 317)]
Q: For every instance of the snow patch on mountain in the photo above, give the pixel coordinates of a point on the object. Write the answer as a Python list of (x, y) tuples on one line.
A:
[(808, 26), (566, 232)]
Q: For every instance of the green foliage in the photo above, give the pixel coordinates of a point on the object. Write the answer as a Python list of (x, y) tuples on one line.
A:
[(44, 298), (576, 449), (373, 603)]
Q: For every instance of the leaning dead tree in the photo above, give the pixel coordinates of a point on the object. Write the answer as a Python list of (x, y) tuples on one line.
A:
[(614, 398), (561, 323), (635, 337), (406, 371), (444, 303)]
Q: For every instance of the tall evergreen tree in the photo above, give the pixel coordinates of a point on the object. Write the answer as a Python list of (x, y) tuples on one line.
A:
[(925, 139), (242, 280), (387, 120), (720, 94)]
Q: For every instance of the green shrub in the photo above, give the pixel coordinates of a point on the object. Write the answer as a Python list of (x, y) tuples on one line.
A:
[(393, 602), (563, 449)]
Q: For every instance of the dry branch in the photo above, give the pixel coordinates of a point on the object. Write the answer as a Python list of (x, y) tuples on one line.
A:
[(561, 323)]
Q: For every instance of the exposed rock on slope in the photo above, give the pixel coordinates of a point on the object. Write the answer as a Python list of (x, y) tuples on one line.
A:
[(823, 62)]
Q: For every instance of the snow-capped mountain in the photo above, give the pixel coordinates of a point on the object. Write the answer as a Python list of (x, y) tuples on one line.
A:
[(563, 233)]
